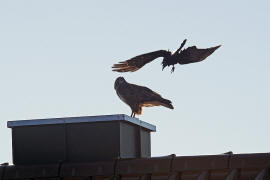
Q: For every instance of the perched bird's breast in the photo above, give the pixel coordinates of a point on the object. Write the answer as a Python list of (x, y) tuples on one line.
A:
[(122, 97), (123, 93)]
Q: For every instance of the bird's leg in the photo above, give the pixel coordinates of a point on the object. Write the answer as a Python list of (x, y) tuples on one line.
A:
[(172, 69), (182, 45), (131, 114)]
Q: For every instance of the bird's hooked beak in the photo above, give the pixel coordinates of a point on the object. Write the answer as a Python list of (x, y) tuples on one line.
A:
[(172, 70), (164, 63)]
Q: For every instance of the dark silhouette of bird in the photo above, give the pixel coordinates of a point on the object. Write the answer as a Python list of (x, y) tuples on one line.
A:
[(138, 96), (190, 55), (228, 153)]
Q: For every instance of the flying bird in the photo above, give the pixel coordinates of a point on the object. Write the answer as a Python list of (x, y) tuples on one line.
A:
[(190, 55), (137, 97)]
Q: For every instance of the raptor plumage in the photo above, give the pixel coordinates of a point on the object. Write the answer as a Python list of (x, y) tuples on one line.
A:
[(190, 55), (137, 97)]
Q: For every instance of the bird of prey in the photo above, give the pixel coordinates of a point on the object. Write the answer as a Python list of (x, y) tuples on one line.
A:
[(190, 55), (138, 96)]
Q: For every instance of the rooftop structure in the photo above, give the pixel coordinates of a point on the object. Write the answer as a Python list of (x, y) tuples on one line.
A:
[(208, 167), (113, 147), (79, 139)]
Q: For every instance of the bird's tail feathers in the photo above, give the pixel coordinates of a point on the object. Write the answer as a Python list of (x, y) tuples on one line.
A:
[(167, 103)]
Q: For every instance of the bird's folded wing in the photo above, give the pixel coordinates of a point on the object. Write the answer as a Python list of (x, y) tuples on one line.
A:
[(147, 98), (151, 98), (137, 62), (193, 54), (144, 92)]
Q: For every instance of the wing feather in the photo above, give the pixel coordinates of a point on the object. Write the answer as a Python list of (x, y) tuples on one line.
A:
[(145, 92), (193, 54), (147, 97), (137, 62)]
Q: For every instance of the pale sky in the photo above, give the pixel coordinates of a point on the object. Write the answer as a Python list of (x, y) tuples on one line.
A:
[(56, 58)]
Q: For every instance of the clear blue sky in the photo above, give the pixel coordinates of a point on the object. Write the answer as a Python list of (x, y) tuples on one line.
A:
[(55, 59)]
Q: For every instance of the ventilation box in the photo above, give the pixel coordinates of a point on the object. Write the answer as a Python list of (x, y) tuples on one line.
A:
[(79, 139)]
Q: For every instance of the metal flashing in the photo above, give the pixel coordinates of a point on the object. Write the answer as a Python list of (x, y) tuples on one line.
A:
[(82, 119)]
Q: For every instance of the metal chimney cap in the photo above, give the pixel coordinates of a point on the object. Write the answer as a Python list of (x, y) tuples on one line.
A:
[(82, 119)]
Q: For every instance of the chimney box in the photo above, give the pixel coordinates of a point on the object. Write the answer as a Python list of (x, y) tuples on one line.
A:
[(79, 139)]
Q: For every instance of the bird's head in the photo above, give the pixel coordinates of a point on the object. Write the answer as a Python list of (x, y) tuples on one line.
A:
[(164, 63), (118, 82), (166, 59)]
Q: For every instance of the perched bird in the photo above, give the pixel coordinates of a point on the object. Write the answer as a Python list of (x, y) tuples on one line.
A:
[(190, 55), (138, 96)]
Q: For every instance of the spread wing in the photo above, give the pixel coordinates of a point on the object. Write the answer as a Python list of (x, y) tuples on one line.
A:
[(137, 62), (192, 54)]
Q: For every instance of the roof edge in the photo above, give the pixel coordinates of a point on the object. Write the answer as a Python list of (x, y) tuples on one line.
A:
[(81, 119)]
